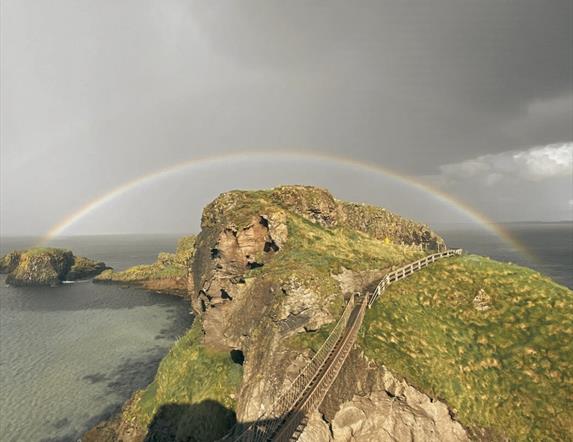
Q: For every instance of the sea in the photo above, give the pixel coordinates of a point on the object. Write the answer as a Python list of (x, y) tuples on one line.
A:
[(71, 355)]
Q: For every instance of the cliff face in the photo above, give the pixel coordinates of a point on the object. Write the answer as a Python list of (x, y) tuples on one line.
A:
[(271, 271), (47, 267)]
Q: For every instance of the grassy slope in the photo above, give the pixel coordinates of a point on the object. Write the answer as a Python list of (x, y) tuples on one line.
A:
[(167, 266), (189, 375), (509, 367)]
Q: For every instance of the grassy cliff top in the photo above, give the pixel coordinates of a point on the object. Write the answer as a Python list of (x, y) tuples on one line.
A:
[(314, 255), (494, 340), (320, 207)]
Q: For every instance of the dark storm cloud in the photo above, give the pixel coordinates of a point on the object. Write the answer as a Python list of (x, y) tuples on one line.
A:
[(496, 54), (97, 93)]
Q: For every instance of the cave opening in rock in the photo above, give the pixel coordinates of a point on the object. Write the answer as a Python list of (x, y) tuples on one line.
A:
[(225, 295), (237, 356), (254, 265), (215, 253), (237, 280), (264, 222), (271, 246)]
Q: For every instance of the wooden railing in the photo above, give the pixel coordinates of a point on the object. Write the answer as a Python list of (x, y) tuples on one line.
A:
[(407, 270), (292, 425), (267, 424), (286, 418)]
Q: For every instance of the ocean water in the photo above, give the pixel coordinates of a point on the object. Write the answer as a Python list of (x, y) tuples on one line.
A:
[(71, 355), (549, 246)]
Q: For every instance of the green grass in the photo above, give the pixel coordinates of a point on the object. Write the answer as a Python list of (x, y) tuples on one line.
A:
[(37, 251), (311, 340), (167, 266), (144, 273), (328, 250), (508, 367), (314, 254), (190, 375)]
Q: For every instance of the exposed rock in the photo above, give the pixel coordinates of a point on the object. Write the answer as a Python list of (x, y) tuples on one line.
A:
[(84, 268), (47, 267), (368, 403), (383, 224), (224, 254), (482, 301), (364, 281), (313, 203)]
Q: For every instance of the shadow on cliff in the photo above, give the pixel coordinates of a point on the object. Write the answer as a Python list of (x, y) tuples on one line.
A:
[(206, 421)]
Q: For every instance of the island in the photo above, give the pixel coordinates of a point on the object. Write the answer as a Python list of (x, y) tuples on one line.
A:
[(47, 266), (466, 348)]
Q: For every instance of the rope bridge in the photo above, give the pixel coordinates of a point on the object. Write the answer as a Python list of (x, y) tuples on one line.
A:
[(288, 415)]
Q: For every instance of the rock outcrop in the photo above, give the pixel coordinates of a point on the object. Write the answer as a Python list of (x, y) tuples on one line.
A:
[(271, 268), (167, 275), (270, 274), (369, 403), (47, 267)]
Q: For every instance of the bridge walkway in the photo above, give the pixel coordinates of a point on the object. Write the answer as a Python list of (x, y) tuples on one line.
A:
[(286, 419)]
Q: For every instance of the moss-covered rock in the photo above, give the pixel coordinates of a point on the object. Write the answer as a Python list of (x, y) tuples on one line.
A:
[(84, 268), (167, 275), (9, 262), (45, 266)]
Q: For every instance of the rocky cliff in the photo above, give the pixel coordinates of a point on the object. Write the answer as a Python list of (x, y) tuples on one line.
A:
[(47, 266), (270, 274)]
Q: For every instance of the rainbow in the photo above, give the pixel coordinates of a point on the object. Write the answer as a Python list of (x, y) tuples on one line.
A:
[(440, 195)]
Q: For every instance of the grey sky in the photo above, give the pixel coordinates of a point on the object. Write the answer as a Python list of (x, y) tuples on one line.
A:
[(97, 93)]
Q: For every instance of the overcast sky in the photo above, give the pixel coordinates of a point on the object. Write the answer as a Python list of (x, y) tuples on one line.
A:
[(473, 96)]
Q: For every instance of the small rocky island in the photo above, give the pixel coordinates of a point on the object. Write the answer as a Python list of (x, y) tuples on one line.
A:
[(46, 266)]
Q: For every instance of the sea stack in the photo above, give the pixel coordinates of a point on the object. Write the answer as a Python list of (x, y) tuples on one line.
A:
[(46, 266)]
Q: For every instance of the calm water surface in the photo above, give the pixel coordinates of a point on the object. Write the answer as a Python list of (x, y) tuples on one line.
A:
[(70, 356), (550, 246)]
